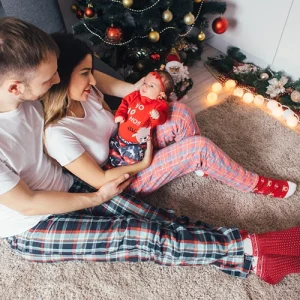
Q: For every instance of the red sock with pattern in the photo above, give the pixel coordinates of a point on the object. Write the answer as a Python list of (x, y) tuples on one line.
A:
[(274, 187), (284, 242), (273, 268)]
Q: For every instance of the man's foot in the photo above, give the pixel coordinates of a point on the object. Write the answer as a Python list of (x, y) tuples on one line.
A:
[(273, 268), (275, 187), (284, 242)]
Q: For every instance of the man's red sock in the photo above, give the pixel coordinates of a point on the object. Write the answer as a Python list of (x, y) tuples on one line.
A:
[(284, 242), (273, 268)]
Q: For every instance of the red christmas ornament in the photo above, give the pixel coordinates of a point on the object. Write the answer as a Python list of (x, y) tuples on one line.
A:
[(89, 12), (155, 56), (80, 14), (113, 34), (220, 25)]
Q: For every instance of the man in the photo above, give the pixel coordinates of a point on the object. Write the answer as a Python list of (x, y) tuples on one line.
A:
[(47, 215)]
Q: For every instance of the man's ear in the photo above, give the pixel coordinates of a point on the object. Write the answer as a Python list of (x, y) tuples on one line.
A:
[(15, 87), (162, 95)]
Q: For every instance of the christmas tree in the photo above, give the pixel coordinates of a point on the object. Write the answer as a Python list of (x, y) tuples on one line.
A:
[(136, 36)]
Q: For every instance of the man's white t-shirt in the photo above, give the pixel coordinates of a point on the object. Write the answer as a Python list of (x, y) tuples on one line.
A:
[(71, 136), (22, 157)]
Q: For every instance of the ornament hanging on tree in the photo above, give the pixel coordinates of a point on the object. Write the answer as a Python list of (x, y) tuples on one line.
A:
[(80, 14), (113, 34), (155, 57), (167, 16), (220, 25), (89, 12), (74, 8), (189, 19), (127, 3), (153, 36), (201, 36), (197, 1)]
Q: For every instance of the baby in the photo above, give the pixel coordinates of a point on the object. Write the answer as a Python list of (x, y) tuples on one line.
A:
[(138, 113)]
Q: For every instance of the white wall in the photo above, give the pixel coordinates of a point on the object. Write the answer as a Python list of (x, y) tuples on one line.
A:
[(265, 31)]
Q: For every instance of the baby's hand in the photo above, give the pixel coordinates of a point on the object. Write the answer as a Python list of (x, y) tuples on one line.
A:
[(154, 114), (119, 119)]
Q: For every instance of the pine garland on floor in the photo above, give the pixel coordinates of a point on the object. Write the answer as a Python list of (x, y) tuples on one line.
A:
[(266, 82)]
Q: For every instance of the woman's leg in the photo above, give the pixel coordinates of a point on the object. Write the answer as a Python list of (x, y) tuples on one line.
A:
[(191, 154), (79, 237), (181, 123), (198, 154)]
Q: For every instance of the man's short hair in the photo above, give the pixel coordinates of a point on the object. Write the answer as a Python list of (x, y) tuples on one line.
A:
[(23, 47)]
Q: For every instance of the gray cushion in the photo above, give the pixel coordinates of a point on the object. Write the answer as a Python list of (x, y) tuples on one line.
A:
[(45, 14)]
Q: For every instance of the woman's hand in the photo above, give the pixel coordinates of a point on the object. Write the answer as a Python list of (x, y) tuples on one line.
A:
[(148, 154), (139, 84)]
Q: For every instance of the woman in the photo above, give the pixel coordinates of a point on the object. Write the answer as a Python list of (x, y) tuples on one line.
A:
[(78, 129)]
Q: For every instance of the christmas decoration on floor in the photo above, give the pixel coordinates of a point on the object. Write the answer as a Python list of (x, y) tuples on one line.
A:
[(253, 84), (147, 31)]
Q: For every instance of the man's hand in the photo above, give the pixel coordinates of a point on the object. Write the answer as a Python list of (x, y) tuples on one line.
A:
[(154, 114), (119, 119), (112, 188)]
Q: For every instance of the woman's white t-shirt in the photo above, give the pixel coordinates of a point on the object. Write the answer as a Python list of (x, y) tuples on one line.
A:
[(71, 136), (22, 157)]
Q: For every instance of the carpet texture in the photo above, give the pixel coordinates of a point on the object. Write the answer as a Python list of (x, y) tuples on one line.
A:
[(254, 139)]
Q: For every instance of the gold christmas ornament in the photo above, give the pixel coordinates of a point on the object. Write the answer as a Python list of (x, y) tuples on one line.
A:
[(167, 16), (127, 3), (189, 19), (197, 1), (201, 36), (295, 96), (264, 76), (74, 8), (153, 36)]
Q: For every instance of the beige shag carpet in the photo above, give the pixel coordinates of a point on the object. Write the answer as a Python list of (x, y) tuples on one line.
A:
[(254, 139)]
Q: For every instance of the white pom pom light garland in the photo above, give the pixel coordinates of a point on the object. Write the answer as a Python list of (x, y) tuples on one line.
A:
[(278, 110)]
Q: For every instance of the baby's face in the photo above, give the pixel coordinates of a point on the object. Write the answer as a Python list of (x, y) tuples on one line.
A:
[(151, 87)]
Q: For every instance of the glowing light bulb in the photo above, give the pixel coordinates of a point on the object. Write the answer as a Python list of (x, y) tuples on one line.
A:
[(292, 121), (239, 92), (277, 111), (259, 100), (230, 85), (287, 113), (272, 104), (212, 97), (248, 97), (217, 87)]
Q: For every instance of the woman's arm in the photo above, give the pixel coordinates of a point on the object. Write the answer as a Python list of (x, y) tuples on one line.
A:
[(115, 87), (32, 203), (86, 168)]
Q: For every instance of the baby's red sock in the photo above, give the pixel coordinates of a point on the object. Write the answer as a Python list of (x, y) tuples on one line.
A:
[(284, 242), (273, 268)]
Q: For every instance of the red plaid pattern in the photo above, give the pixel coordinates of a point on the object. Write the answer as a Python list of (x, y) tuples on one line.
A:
[(180, 149)]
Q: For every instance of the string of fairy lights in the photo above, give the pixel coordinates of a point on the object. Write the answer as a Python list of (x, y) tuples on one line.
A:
[(153, 35), (246, 95)]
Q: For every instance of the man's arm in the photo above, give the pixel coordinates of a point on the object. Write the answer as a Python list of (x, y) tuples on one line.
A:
[(115, 87), (31, 203)]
